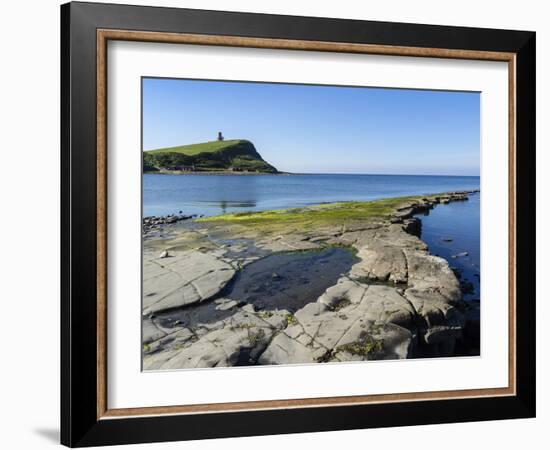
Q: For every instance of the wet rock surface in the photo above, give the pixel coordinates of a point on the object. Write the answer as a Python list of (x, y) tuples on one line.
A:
[(321, 294)]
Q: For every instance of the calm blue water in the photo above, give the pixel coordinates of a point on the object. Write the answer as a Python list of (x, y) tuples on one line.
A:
[(219, 194), (449, 230), (452, 230)]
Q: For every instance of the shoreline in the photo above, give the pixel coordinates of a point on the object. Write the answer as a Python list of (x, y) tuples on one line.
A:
[(230, 172), (212, 172), (173, 218), (409, 301)]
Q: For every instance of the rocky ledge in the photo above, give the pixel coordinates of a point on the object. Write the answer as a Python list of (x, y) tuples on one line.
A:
[(397, 300), (154, 224)]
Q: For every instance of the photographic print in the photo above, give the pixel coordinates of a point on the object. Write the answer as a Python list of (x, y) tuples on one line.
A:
[(301, 224), (297, 198)]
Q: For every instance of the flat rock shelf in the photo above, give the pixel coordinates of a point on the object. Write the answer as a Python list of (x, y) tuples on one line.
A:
[(349, 281)]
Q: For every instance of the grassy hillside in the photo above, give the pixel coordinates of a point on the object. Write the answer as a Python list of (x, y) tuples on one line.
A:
[(236, 155), (203, 147)]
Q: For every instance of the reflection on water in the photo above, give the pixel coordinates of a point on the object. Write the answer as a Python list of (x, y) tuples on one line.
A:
[(219, 194), (225, 206)]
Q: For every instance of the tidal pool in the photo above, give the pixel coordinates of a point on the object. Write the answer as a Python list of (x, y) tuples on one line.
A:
[(290, 280), (286, 280)]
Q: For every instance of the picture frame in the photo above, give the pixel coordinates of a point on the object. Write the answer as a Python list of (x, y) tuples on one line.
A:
[(86, 418)]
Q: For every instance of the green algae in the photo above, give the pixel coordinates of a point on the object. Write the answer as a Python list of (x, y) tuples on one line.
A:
[(327, 214)]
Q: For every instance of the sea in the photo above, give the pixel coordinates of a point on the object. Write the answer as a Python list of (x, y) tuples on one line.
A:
[(451, 231)]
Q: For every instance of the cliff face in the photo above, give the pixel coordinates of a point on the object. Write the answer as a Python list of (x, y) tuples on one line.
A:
[(235, 155)]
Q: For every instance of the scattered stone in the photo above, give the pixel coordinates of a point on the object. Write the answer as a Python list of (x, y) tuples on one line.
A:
[(460, 255), (225, 304), (155, 223)]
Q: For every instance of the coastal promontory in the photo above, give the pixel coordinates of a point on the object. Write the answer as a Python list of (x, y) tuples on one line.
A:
[(220, 156)]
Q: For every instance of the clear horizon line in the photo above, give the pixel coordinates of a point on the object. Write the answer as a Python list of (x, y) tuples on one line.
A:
[(380, 174)]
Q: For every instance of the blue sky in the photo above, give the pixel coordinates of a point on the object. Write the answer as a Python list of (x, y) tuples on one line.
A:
[(321, 129)]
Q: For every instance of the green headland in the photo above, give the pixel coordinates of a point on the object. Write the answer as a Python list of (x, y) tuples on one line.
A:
[(232, 156)]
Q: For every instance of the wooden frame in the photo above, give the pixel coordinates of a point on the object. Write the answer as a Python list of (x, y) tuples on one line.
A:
[(86, 418)]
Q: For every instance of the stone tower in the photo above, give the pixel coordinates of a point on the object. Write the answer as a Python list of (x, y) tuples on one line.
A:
[(220, 136)]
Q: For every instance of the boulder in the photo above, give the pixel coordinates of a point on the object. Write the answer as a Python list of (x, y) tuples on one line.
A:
[(381, 262), (432, 273)]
